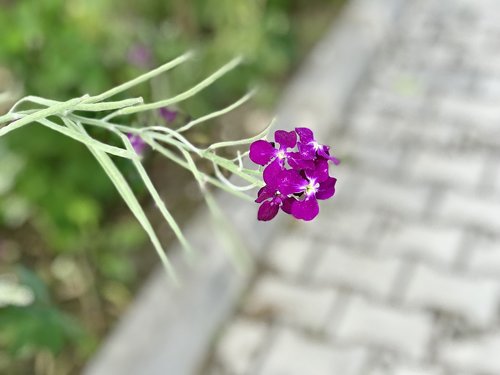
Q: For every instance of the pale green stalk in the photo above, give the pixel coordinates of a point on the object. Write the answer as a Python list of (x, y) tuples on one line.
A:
[(41, 114), (89, 141), (245, 141), (158, 201), (171, 156), (142, 78), (128, 196), (183, 96), (153, 135), (215, 114)]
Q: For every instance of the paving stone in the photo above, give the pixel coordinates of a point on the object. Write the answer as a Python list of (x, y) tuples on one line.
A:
[(339, 266), (240, 344), (435, 133), (460, 171), (473, 299), (425, 241), (288, 254), (382, 326), (485, 115), (413, 370), (419, 138), (295, 354), (478, 355), (343, 225), (485, 259), (372, 157), (294, 303), (478, 211), (389, 194)]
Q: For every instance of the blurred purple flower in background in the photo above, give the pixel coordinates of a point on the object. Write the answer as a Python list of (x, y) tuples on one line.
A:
[(137, 143), (140, 56), (169, 115), (296, 189)]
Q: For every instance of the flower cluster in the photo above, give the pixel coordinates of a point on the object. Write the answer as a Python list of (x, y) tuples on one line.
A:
[(295, 173)]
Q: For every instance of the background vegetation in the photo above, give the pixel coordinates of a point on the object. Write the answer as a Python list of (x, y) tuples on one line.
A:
[(63, 231)]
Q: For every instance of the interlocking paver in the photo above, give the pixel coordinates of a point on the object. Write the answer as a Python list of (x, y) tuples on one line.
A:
[(402, 331), (291, 302), (428, 242), (365, 273), (473, 299), (485, 259), (457, 170), (398, 197), (409, 370), (478, 355), (289, 254), (240, 345), (287, 357), (417, 212), (477, 211)]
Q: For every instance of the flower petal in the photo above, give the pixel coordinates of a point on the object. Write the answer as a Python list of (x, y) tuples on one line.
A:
[(287, 205), (296, 162), (306, 209), (326, 188), (261, 152), (137, 143), (307, 151), (167, 114), (290, 182), (323, 151), (320, 171), (265, 193), (271, 174), (305, 134), (267, 211), (285, 139)]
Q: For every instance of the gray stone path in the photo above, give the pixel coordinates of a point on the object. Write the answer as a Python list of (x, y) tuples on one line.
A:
[(400, 274)]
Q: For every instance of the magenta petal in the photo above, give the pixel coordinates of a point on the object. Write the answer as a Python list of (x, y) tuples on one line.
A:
[(265, 193), (323, 152), (306, 151), (296, 162), (287, 205), (261, 152), (290, 182), (168, 114), (285, 139), (305, 134), (326, 188), (267, 211), (320, 171), (137, 143), (271, 174), (306, 209)]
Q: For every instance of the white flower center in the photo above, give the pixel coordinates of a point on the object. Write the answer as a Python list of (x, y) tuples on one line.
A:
[(312, 187), (281, 154), (315, 145)]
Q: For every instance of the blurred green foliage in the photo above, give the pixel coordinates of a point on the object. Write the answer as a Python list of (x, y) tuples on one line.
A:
[(59, 214)]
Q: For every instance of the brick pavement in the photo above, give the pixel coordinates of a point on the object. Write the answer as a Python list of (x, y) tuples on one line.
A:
[(400, 275)]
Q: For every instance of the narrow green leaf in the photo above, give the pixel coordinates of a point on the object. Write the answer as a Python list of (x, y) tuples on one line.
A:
[(129, 197)]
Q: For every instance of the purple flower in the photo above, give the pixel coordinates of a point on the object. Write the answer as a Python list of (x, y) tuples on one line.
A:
[(271, 201), (137, 143), (168, 115), (262, 152), (140, 56), (317, 185), (309, 149), (302, 189), (295, 181)]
